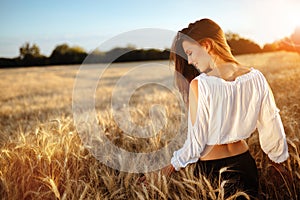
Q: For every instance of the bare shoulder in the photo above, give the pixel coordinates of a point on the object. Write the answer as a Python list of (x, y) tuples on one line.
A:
[(193, 99), (194, 85)]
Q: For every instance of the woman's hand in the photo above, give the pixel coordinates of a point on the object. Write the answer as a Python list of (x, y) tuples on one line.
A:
[(167, 171)]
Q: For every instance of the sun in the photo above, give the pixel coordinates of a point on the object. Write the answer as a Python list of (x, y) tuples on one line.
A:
[(293, 15), (275, 20)]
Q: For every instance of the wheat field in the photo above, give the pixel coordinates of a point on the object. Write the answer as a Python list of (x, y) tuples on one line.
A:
[(43, 157)]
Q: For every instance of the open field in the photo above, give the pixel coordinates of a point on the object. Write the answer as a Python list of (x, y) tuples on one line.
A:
[(42, 156)]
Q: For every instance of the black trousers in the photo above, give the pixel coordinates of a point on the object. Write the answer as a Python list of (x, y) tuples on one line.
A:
[(240, 174)]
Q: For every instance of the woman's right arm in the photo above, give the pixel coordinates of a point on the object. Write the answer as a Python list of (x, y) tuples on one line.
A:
[(197, 130)]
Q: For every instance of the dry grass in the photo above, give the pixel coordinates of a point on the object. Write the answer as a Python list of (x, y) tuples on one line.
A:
[(42, 156)]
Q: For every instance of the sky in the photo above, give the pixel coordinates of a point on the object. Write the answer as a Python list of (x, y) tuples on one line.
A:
[(91, 23)]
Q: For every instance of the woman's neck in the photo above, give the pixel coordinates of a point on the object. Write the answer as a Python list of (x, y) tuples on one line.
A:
[(220, 68), (227, 70)]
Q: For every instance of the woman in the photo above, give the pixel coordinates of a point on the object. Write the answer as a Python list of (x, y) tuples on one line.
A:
[(226, 103)]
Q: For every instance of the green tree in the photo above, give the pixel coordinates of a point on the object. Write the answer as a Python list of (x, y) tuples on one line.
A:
[(232, 36), (240, 45), (27, 50), (64, 54), (271, 47)]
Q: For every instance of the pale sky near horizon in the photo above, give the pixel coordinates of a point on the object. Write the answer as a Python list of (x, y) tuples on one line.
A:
[(90, 23)]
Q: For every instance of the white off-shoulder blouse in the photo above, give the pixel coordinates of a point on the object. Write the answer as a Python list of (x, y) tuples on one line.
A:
[(229, 111)]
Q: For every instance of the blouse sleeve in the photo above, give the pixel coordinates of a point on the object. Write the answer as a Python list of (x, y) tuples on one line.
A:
[(196, 137), (271, 132)]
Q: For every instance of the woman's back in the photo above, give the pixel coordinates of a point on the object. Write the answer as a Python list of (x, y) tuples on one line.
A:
[(212, 152), (232, 106)]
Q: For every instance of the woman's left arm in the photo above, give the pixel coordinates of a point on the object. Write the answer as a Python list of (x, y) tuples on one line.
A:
[(271, 131)]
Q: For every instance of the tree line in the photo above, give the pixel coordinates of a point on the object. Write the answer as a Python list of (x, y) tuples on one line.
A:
[(29, 55)]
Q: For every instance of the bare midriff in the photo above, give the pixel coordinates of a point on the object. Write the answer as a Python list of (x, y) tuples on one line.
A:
[(213, 152)]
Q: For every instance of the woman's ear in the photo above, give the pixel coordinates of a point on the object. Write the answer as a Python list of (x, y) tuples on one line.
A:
[(207, 45)]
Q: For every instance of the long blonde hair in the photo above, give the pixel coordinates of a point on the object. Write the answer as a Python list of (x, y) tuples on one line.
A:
[(199, 31)]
